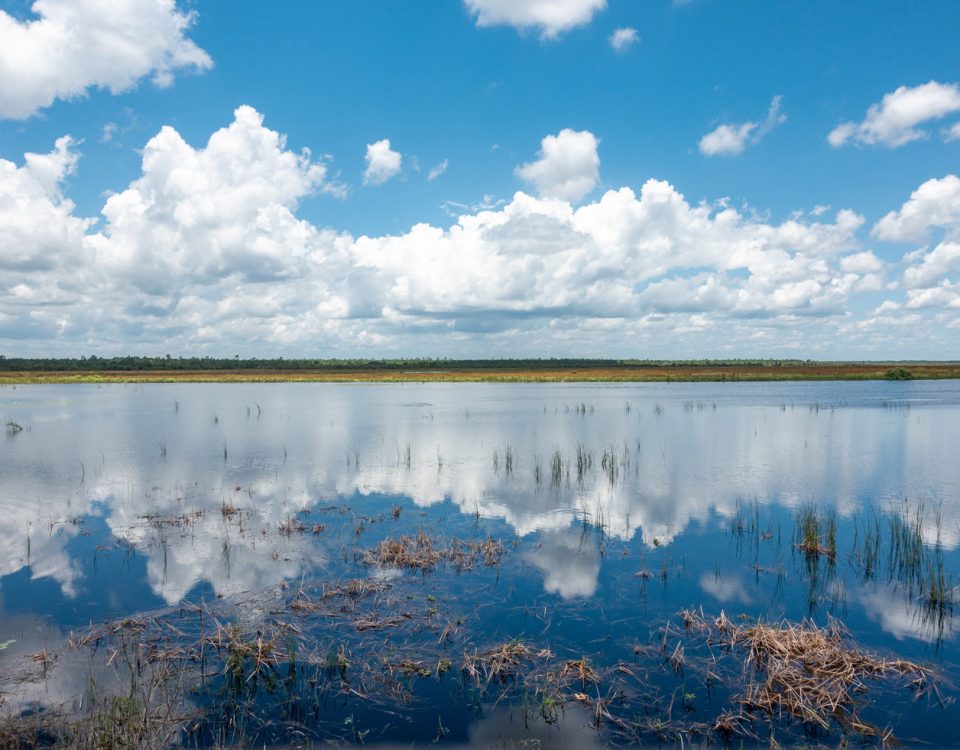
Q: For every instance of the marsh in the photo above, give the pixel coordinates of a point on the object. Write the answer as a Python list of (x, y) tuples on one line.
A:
[(410, 563)]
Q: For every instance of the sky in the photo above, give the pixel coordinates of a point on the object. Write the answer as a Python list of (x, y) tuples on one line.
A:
[(480, 178)]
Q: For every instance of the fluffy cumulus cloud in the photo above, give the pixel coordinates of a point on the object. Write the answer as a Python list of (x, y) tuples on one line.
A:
[(623, 39), (931, 275), (732, 139), (205, 251), (935, 204), (895, 120), (550, 17), (225, 210), (625, 256), (37, 226), (567, 167), (74, 45), (383, 163), (43, 260)]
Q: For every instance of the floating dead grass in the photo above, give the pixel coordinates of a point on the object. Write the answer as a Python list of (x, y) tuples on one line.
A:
[(502, 663), (578, 670), (356, 588), (423, 553), (379, 623), (812, 673)]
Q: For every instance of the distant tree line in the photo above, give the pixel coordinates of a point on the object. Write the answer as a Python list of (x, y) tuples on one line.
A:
[(94, 363)]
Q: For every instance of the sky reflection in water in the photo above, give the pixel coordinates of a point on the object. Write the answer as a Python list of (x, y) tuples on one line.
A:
[(112, 497)]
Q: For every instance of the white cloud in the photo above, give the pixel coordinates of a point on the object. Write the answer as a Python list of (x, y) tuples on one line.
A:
[(865, 262), (75, 45), (607, 259), (944, 295), (550, 17), (37, 227), (952, 133), (567, 166), (622, 39), (438, 170), (383, 163), (933, 266), (935, 204), (204, 251), (895, 119), (731, 140), (202, 215), (726, 140), (931, 278)]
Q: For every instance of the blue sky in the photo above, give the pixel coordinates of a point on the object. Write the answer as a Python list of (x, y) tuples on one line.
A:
[(752, 225)]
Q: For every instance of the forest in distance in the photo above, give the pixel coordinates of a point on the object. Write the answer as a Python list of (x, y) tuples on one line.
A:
[(94, 363)]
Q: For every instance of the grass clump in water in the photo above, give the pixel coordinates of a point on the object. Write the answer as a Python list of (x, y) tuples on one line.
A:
[(816, 532), (423, 553), (812, 673)]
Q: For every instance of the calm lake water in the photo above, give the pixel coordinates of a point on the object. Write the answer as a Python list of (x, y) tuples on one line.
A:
[(617, 506)]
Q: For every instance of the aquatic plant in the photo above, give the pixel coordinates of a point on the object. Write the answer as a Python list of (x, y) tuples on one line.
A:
[(808, 671), (816, 532), (556, 468), (584, 462)]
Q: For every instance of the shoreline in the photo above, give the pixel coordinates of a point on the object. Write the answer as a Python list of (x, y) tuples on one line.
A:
[(621, 374)]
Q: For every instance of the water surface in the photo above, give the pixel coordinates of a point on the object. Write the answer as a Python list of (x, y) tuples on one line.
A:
[(617, 505)]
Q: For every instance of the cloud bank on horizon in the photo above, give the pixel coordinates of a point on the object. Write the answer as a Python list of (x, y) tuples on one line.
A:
[(214, 242)]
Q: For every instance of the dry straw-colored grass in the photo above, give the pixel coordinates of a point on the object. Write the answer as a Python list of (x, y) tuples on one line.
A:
[(424, 553), (810, 672), (502, 663)]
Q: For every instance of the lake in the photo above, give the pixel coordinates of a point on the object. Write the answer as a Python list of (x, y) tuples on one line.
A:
[(565, 565)]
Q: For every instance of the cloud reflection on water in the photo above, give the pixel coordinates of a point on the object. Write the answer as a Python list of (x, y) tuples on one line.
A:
[(683, 455)]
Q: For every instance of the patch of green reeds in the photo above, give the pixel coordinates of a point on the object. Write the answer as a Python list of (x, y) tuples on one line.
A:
[(816, 532)]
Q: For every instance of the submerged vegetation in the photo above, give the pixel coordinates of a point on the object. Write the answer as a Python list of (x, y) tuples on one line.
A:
[(304, 663), (393, 612)]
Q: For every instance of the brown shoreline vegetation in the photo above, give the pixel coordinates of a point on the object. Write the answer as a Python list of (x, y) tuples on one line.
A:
[(499, 374)]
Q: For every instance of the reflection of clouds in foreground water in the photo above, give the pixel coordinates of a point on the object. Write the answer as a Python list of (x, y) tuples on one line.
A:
[(570, 565), (127, 454), (24, 683), (728, 588), (506, 729), (233, 552), (25, 540), (904, 617)]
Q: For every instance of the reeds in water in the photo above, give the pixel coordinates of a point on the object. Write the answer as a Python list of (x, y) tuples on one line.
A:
[(816, 532)]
